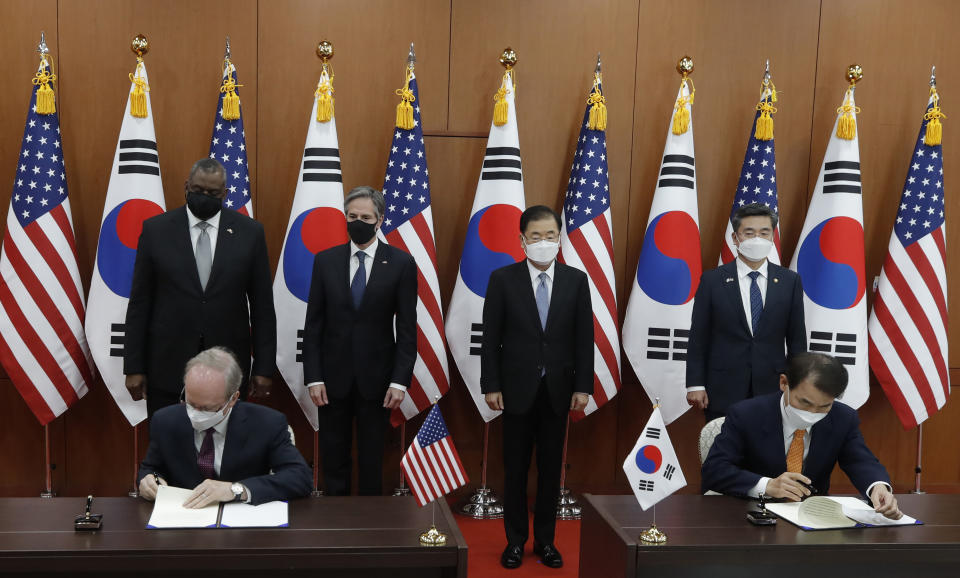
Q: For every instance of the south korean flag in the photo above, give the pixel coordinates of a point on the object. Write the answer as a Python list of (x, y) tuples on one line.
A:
[(652, 466)]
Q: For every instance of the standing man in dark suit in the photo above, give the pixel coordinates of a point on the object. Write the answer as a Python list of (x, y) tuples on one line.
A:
[(745, 314), (201, 279), (225, 449), (353, 363), (536, 365), (780, 445)]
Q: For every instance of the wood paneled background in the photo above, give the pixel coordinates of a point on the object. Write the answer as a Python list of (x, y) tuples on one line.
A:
[(809, 43)]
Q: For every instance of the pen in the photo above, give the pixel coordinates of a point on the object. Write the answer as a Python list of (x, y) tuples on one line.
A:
[(156, 478)]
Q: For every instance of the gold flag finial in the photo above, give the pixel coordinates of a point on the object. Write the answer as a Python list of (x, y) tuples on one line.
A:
[(768, 96), (324, 92), (508, 58), (847, 123), (681, 115), (138, 96), (140, 45), (597, 119), (46, 100), (405, 106), (934, 131)]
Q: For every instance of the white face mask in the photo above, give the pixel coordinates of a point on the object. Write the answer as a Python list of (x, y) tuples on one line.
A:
[(800, 419), (542, 252), (755, 248), (204, 420)]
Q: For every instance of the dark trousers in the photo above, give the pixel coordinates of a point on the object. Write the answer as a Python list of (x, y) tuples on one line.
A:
[(542, 427), (336, 442)]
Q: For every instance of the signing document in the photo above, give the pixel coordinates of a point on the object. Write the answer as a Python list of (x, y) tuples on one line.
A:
[(828, 513)]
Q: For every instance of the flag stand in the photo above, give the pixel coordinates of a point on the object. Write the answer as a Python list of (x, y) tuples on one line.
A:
[(567, 506), (652, 536), (402, 489), (48, 492), (135, 492), (433, 537), (483, 503), (317, 492), (916, 488)]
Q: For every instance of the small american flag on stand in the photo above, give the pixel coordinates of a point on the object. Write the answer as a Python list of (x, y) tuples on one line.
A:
[(228, 144), (908, 325), (408, 225), (431, 465), (587, 243), (43, 347)]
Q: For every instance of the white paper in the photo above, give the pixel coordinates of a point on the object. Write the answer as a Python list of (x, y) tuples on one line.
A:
[(239, 515), (168, 511), (856, 509), (852, 508)]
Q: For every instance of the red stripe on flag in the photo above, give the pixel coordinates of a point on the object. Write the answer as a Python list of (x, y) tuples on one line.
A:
[(906, 355), (49, 309), (60, 217), (941, 243), (725, 254), (594, 271), (56, 264), (24, 385), (920, 261), (419, 224), (890, 387), (424, 292)]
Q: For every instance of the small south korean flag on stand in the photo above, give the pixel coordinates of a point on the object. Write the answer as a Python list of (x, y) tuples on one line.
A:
[(652, 467)]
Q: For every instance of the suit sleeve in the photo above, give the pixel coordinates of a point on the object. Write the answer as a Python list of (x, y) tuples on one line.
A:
[(858, 462), (406, 324), (796, 328), (699, 341), (313, 326), (723, 471), (290, 477), (584, 370), (139, 306), (153, 462), (263, 317), (492, 342)]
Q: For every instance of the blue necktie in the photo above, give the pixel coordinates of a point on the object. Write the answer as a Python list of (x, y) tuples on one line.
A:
[(756, 300), (543, 300), (359, 281)]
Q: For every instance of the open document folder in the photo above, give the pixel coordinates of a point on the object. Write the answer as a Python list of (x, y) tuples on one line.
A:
[(831, 513), (168, 512)]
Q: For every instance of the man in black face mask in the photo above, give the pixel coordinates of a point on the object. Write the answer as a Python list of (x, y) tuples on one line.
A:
[(201, 279), (353, 364)]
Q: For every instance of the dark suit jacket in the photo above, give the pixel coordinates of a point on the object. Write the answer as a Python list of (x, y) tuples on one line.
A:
[(751, 445), (722, 355), (343, 345), (170, 316), (256, 443), (516, 348)]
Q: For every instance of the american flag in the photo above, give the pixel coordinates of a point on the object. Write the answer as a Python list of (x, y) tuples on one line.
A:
[(228, 145), (42, 343), (757, 184), (431, 464), (587, 244), (408, 225), (908, 325)]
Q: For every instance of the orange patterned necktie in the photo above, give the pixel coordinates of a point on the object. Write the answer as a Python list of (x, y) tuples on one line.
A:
[(795, 453)]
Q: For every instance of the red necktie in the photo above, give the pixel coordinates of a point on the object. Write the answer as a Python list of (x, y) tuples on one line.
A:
[(206, 456)]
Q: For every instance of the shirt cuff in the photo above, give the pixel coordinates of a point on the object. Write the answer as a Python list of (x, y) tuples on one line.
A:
[(313, 383), (870, 488), (759, 489), (402, 388), (696, 388), (249, 494)]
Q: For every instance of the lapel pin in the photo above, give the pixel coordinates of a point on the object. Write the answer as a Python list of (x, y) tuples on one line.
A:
[(384, 262), (776, 280), (728, 280), (230, 231)]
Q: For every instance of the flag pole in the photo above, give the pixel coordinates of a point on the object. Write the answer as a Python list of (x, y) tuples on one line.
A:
[(567, 506), (48, 492), (402, 489), (916, 487), (483, 503), (317, 492), (135, 491), (653, 535)]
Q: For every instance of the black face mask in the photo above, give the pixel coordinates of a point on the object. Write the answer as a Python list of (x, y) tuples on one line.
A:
[(360, 232), (203, 206)]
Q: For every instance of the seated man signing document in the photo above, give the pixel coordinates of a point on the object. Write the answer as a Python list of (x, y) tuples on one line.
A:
[(785, 445), (226, 450)]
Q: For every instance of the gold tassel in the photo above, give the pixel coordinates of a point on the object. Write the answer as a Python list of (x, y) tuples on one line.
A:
[(847, 125), (138, 96), (598, 109), (500, 109), (46, 100), (231, 100), (764, 129), (934, 134), (681, 117), (324, 95), (404, 108)]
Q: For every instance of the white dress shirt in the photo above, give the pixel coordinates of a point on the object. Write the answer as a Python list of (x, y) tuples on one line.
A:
[(535, 278), (212, 230), (761, 487), (371, 253), (219, 439)]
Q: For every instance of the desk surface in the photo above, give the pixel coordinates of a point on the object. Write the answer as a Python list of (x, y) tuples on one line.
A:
[(712, 532), (36, 535)]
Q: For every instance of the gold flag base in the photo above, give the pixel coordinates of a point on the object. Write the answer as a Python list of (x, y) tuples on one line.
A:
[(653, 536), (433, 537)]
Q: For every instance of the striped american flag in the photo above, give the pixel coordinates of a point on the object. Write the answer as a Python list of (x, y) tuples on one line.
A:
[(42, 343), (431, 465), (408, 225), (587, 244), (908, 325), (229, 146)]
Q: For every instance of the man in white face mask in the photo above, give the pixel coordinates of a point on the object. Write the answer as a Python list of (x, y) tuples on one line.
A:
[(236, 445), (536, 365), (786, 445), (746, 314)]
